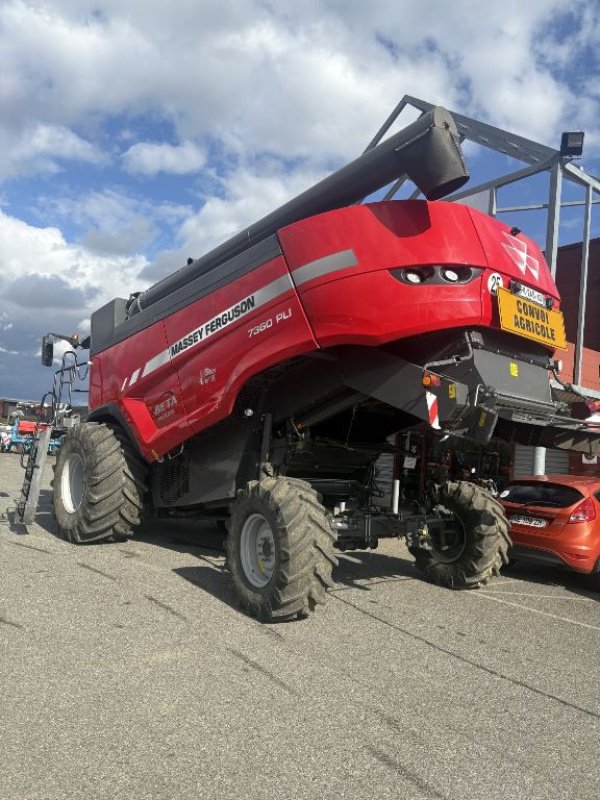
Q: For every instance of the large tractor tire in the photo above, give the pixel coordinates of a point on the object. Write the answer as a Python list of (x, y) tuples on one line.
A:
[(280, 549), (473, 545), (99, 484)]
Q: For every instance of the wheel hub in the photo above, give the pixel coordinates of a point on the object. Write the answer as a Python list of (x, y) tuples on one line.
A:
[(448, 542), (72, 483), (257, 550)]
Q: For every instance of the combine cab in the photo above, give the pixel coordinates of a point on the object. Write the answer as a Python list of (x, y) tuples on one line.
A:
[(261, 382)]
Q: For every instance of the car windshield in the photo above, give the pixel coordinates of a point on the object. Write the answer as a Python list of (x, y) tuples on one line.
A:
[(541, 494)]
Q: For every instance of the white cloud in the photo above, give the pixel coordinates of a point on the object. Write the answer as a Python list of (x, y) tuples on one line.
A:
[(235, 72), (48, 284), (150, 158), (112, 221), (52, 140), (26, 250), (42, 148), (245, 197), (294, 79)]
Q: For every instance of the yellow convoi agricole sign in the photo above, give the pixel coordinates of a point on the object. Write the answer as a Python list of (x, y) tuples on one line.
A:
[(531, 320)]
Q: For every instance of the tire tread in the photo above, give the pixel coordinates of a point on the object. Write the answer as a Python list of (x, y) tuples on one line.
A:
[(115, 486), (305, 539), (487, 534)]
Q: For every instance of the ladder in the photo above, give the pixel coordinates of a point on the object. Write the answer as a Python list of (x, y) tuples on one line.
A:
[(36, 459)]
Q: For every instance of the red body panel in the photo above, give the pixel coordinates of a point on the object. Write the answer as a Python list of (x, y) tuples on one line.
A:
[(210, 377), (198, 386), (331, 286), (364, 304)]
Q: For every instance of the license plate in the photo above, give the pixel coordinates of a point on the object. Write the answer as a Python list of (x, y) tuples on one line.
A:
[(526, 318), (531, 294), (533, 522)]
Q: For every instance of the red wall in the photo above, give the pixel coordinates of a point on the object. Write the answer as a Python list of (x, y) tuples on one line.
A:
[(590, 374), (567, 278)]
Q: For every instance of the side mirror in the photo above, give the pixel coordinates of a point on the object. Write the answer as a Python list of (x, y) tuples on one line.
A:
[(47, 350)]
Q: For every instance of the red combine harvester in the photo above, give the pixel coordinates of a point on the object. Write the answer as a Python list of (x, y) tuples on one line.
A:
[(261, 382)]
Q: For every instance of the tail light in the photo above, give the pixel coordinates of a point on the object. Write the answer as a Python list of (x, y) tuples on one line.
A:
[(584, 512), (436, 274), (431, 380)]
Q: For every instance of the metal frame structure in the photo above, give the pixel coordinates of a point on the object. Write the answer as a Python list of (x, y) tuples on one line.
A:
[(538, 158)]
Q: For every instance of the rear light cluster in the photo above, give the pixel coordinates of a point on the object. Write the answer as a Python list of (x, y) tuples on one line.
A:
[(584, 512), (437, 274)]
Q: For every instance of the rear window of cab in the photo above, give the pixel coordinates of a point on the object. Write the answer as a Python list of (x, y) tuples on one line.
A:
[(541, 494)]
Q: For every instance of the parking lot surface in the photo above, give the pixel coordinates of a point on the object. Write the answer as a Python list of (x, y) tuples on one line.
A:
[(128, 671)]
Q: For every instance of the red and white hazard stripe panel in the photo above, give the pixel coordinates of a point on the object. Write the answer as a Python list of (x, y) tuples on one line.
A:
[(432, 407)]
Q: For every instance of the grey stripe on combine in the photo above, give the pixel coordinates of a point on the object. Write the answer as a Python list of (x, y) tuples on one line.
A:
[(260, 297), (325, 265)]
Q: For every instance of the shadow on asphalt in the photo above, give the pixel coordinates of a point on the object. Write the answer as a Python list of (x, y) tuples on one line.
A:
[(357, 569), (14, 523), (214, 582), (214, 579), (44, 516), (368, 565), (205, 541), (574, 582)]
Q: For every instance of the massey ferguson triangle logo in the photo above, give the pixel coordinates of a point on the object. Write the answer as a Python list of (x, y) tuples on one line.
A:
[(517, 250)]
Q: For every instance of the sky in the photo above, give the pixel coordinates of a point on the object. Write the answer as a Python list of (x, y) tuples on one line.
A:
[(137, 133)]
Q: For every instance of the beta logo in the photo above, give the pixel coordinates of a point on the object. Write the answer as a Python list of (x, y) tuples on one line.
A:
[(165, 408)]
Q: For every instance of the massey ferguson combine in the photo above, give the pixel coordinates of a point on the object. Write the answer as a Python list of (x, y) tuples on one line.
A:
[(261, 382)]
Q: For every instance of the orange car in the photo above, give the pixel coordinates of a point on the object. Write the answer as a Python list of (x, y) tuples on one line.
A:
[(555, 519)]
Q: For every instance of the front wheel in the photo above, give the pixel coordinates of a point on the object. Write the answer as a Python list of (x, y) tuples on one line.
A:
[(280, 549), (472, 543), (99, 484)]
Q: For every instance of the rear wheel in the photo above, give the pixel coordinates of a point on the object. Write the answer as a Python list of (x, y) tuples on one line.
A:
[(280, 549), (99, 484), (473, 543)]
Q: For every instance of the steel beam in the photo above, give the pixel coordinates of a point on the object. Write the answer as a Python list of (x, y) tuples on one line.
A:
[(583, 277), (575, 173), (554, 215), (495, 138)]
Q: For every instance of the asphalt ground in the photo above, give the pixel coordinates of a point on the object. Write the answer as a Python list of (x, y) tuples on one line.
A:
[(128, 671)]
